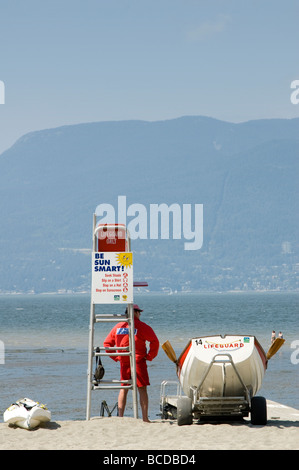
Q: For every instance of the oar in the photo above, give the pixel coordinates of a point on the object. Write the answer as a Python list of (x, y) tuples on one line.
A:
[(275, 347), (169, 351)]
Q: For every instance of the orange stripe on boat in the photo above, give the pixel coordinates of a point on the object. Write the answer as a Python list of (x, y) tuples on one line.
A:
[(261, 353), (182, 358)]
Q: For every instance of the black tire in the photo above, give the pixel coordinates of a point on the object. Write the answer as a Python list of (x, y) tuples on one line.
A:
[(184, 411), (258, 411)]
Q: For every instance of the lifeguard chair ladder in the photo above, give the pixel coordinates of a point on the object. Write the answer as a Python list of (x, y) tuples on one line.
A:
[(116, 241)]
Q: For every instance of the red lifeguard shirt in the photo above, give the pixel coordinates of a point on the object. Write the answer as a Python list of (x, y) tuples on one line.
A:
[(119, 336)]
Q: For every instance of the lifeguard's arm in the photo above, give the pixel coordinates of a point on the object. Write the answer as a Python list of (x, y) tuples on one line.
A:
[(154, 345), (110, 342)]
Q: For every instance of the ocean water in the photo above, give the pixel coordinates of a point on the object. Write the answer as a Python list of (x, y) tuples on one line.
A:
[(45, 339)]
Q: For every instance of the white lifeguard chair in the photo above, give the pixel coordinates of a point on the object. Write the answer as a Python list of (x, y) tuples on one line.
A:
[(109, 241)]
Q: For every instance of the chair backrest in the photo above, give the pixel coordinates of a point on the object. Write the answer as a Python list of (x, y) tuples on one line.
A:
[(111, 238)]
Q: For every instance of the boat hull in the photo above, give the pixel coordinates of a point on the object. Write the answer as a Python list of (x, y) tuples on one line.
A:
[(220, 366), (26, 414)]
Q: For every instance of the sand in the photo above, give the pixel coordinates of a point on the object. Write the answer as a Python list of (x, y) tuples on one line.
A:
[(116, 434)]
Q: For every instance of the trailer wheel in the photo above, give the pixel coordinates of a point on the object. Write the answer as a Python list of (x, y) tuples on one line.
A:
[(258, 411), (184, 411)]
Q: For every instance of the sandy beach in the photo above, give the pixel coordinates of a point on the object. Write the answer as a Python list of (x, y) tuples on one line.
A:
[(113, 433)]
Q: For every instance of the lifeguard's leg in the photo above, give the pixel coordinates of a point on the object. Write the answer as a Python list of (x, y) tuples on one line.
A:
[(122, 400), (144, 403)]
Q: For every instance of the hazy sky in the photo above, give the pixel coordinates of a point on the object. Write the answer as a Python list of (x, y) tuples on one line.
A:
[(72, 61)]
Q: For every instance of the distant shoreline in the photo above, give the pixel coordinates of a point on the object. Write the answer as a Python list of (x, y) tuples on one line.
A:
[(147, 292)]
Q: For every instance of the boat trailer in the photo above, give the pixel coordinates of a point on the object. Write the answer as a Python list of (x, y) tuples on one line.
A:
[(184, 409)]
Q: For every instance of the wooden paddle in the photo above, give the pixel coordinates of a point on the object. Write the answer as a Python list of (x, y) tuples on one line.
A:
[(169, 351), (275, 347)]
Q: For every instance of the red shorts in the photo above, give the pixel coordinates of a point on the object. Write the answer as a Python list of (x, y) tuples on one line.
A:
[(141, 372)]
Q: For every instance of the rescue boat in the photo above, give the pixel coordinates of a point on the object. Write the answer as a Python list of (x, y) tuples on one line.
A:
[(221, 362), (220, 376), (26, 414)]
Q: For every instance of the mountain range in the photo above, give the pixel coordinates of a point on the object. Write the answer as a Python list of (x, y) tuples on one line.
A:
[(245, 175)]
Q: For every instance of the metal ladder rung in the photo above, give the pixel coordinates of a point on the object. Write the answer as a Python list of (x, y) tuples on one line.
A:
[(115, 382), (121, 351), (111, 387), (114, 354), (110, 318), (98, 349)]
